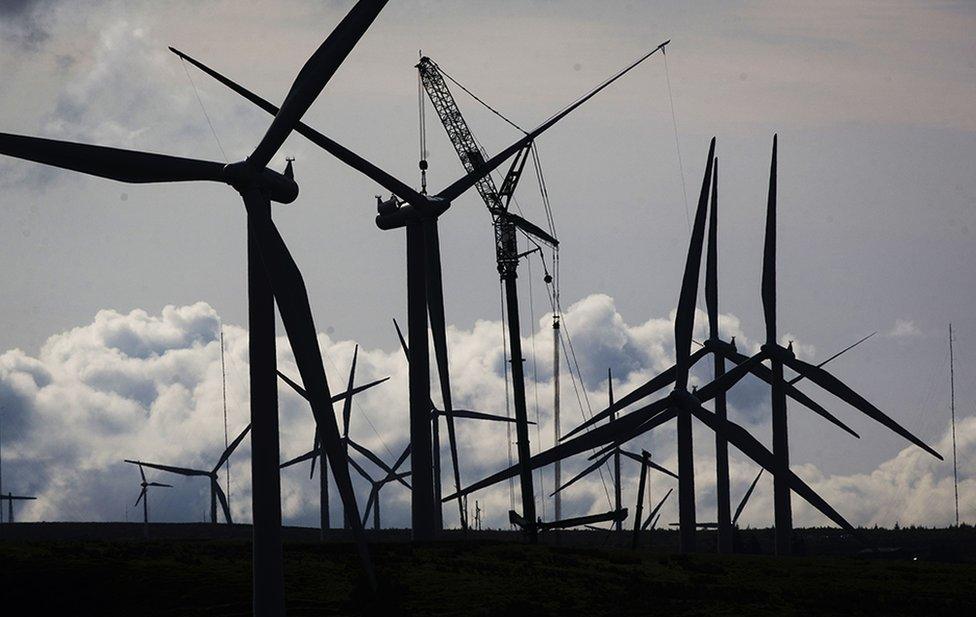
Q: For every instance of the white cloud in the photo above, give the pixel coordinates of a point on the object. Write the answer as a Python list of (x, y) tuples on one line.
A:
[(903, 329), (149, 386)]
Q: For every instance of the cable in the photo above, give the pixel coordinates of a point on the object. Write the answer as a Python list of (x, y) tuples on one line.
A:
[(475, 97), (677, 145), (203, 107)]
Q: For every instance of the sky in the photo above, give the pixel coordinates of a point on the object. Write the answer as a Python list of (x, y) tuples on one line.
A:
[(114, 294)]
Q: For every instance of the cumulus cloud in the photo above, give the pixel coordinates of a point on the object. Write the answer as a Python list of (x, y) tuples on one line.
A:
[(903, 329), (149, 386), (24, 22)]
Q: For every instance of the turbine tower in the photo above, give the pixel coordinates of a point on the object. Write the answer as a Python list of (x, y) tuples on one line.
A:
[(11, 498)]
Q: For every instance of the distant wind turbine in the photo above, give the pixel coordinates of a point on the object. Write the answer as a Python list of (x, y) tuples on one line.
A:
[(144, 494), (11, 498), (216, 492)]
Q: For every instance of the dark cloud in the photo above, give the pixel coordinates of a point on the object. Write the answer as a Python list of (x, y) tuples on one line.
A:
[(24, 22)]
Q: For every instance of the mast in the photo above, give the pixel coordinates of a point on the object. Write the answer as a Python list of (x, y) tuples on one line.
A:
[(557, 468), (952, 410), (223, 381)]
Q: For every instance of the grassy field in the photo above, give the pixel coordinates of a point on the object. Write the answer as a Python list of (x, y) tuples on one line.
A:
[(488, 577)]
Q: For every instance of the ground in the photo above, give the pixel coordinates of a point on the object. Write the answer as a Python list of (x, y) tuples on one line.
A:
[(180, 570)]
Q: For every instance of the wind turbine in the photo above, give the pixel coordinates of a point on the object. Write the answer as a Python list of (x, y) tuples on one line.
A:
[(273, 277), (418, 214), (616, 452), (144, 494), (780, 357), (346, 397), (392, 475), (681, 404), (720, 351), (738, 509), (216, 493), (11, 498)]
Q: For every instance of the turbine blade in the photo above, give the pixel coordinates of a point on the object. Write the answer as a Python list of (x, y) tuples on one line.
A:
[(142, 495), (466, 182), (842, 391), (438, 327), (656, 509), (729, 379), (745, 498), (350, 158), (349, 393), (769, 255), (183, 471), (314, 76), (477, 415), (128, 166), (291, 296), (763, 372), (160, 484), (579, 521), (650, 464), (347, 404), (529, 228), (642, 391), (294, 386), (142, 473), (595, 438), (684, 322), (223, 503), (373, 495), (748, 445), (711, 259), (403, 457), (361, 471), (300, 459), (373, 459), (403, 342), (593, 467), (233, 446), (836, 355)]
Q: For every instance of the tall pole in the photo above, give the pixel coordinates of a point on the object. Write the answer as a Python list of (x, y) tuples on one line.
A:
[(267, 569), (145, 507), (521, 415), (952, 408), (213, 499), (557, 468), (1, 461), (435, 454), (223, 387), (423, 507), (617, 502)]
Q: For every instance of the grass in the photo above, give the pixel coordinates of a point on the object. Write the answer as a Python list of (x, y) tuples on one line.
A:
[(477, 578)]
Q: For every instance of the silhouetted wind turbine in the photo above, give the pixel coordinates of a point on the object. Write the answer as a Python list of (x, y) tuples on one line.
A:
[(651, 520), (616, 452), (273, 277), (721, 351), (418, 214), (392, 475), (681, 404), (144, 494), (346, 397), (216, 493), (11, 498), (781, 357)]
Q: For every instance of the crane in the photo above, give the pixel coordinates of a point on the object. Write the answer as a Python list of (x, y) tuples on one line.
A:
[(505, 224)]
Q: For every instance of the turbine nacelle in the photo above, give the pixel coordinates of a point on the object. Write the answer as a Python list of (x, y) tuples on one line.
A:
[(279, 187), (394, 214)]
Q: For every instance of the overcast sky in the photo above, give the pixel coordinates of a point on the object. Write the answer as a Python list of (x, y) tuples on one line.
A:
[(872, 102)]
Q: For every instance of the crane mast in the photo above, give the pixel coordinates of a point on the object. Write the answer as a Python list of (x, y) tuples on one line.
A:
[(506, 249), (506, 254)]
